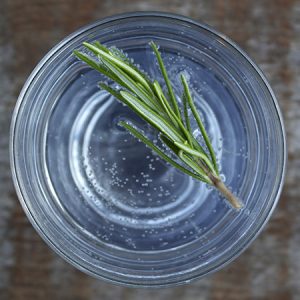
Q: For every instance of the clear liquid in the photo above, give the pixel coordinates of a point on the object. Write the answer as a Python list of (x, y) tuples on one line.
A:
[(114, 187)]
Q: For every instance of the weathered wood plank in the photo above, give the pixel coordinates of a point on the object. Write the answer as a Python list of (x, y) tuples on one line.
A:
[(270, 32)]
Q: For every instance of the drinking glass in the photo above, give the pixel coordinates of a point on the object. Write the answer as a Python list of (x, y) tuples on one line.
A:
[(102, 200)]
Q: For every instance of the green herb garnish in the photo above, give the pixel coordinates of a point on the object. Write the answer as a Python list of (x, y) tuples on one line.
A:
[(161, 110)]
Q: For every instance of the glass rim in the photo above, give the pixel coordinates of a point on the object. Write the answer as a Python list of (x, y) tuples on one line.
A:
[(52, 52)]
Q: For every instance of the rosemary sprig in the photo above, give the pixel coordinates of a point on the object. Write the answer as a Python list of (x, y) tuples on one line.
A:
[(147, 99)]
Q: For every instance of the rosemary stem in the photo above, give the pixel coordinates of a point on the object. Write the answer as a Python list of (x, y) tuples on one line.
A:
[(147, 99), (219, 185)]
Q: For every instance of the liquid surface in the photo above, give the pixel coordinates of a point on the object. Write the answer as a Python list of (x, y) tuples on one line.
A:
[(113, 186)]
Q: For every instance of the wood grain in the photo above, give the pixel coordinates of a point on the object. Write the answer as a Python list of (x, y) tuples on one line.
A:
[(270, 32)]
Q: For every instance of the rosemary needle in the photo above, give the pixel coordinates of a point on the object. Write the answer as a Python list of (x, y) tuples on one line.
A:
[(162, 111)]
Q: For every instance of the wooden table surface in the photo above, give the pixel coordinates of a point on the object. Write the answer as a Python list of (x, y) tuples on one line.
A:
[(270, 32)]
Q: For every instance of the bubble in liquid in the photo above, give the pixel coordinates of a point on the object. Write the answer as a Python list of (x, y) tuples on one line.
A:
[(222, 177), (246, 211)]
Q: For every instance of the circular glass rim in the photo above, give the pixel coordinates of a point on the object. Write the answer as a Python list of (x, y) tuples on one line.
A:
[(41, 64)]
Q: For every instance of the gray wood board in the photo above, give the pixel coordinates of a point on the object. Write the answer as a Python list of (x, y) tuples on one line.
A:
[(270, 32)]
